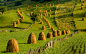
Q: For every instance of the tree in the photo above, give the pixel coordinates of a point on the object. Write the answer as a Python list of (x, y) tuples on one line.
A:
[(3, 9), (34, 17), (18, 3)]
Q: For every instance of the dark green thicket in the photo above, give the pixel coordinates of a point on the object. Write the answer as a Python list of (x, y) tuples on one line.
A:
[(18, 3), (3, 9)]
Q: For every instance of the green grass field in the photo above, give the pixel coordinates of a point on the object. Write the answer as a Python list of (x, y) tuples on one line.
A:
[(78, 15), (63, 16)]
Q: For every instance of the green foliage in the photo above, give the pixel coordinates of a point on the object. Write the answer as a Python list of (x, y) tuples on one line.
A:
[(3, 9)]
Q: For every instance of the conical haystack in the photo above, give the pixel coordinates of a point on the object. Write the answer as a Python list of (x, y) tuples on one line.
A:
[(18, 22), (58, 32), (36, 5), (63, 32), (82, 8), (80, 0), (14, 24), (68, 32), (49, 35), (50, 5), (31, 39), (22, 12), (41, 22), (28, 6), (82, 4), (52, 29), (49, 15), (31, 13), (53, 4), (43, 27), (1, 13), (54, 33), (46, 14), (41, 36), (50, 10), (12, 46), (83, 19)]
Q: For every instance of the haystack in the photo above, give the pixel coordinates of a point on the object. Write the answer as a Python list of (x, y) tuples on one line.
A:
[(82, 4), (58, 32), (22, 12), (36, 5), (63, 32), (18, 22), (22, 17), (31, 39), (43, 27), (20, 8), (53, 4), (82, 8), (50, 10), (52, 29), (55, 1), (14, 24), (49, 35), (12, 46), (68, 32), (49, 15), (41, 22), (83, 19), (49, 26), (45, 11), (46, 14), (80, 0), (41, 36), (50, 5), (28, 6), (1, 13), (54, 33), (31, 13)]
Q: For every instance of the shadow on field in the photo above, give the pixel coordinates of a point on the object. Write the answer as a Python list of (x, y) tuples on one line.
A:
[(27, 22), (79, 20), (3, 51), (78, 15), (22, 43)]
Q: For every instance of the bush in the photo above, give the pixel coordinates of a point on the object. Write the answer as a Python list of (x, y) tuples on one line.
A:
[(3, 9), (18, 3)]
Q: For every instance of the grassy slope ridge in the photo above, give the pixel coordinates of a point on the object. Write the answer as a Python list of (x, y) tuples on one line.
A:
[(78, 15), (22, 36), (74, 45)]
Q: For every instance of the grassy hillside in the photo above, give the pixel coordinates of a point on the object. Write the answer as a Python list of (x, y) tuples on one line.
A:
[(78, 15), (74, 45)]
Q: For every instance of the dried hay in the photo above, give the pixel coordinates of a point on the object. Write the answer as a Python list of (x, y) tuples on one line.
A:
[(52, 29), (58, 32), (50, 10), (31, 13), (32, 39), (43, 27), (49, 15), (83, 19), (82, 4), (68, 32), (53, 4), (12, 46), (14, 24), (41, 36), (22, 12), (54, 33), (50, 5), (20, 8), (28, 6), (36, 5), (49, 35), (18, 22), (82, 8), (1, 13), (63, 32), (41, 22)]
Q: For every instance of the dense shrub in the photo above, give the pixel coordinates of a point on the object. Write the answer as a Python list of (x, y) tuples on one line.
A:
[(3, 9)]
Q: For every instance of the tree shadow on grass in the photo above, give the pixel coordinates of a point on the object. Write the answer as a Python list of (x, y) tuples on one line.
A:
[(27, 22), (3, 51)]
